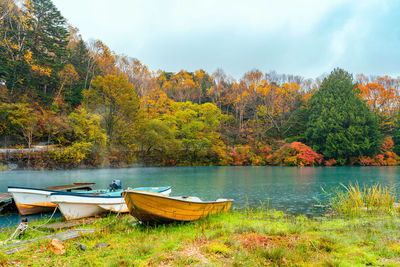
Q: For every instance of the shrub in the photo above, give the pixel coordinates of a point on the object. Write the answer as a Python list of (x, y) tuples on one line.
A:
[(256, 155), (386, 157), (296, 154), (330, 162), (71, 156)]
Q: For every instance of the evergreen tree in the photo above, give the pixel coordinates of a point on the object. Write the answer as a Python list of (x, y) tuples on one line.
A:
[(78, 57), (48, 44), (340, 124)]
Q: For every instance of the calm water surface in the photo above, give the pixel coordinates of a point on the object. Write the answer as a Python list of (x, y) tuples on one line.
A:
[(285, 188)]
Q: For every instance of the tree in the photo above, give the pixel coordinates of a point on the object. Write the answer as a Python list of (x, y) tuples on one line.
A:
[(81, 60), (155, 135), (68, 76), (48, 40), (340, 124), (278, 107), (196, 127), (115, 100), (13, 46), (383, 98), (22, 119), (86, 128)]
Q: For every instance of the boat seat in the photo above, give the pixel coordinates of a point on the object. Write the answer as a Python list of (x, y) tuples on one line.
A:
[(194, 199)]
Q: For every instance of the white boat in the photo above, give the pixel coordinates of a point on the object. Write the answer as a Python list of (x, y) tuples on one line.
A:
[(35, 200), (77, 206)]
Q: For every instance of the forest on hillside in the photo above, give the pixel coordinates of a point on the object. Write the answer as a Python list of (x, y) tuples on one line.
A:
[(99, 108)]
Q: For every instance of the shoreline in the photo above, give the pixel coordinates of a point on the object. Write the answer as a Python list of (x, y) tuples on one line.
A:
[(4, 168)]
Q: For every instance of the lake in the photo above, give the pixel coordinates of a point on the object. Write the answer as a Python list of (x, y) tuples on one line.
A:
[(291, 189)]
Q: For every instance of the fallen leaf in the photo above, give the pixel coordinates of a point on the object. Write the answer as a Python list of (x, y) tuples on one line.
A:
[(57, 247)]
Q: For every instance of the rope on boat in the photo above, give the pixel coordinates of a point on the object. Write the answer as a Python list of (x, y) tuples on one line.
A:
[(119, 212), (51, 217)]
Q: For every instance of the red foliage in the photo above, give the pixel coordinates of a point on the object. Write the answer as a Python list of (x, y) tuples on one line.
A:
[(386, 157), (246, 155), (330, 162), (367, 161), (169, 162), (240, 155), (296, 154)]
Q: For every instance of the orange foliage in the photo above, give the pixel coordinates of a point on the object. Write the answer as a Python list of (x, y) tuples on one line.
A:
[(386, 157), (257, 155), (156, 103), (330, 162), (181, 86), (296, 154), (240, 155), (383, 98)]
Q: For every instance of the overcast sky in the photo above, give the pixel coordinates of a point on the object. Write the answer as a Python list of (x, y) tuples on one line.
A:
[(308, 37)]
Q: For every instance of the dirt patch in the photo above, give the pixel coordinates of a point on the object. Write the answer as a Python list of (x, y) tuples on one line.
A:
[(254, 241), (193, 254)]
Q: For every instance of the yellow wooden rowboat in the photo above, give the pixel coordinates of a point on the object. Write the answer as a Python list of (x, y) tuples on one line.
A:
[(150, 207)]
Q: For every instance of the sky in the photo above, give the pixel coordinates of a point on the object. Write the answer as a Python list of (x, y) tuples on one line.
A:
[(307, 38)]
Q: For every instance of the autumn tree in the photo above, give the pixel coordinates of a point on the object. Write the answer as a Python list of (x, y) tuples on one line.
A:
[(156, 103), (137, 74), (21, 120), (383, 98), (196, 127), (86, 128), (105, 60), (278, 107), (157, 138), (13, 46), (115, 100), (218, 88), (340, 124), (68, 76)]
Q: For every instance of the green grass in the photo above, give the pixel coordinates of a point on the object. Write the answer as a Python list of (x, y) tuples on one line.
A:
[(251, 237)]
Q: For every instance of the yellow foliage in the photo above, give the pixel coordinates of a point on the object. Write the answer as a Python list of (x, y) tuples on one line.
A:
[(42, 71)]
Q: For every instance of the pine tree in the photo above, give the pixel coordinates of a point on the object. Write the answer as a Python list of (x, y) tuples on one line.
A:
[(78, 57), (48, 43), (340, 124)]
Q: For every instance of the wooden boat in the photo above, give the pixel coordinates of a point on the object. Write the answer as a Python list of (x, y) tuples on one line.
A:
[(5, 201), (35, 200), (76, 205), (150, 208)]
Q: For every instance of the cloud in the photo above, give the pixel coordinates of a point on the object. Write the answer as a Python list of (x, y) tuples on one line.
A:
[(301, 37)]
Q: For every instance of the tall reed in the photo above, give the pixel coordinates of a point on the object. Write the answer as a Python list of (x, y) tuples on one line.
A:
[(354, 200)]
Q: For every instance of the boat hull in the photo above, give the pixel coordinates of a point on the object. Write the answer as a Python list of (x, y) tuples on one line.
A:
[(77, 207), (150, 208), (36, 200), (31, 201)]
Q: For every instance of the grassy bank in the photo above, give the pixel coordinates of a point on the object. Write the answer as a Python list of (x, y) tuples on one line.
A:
[(249, 238)]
